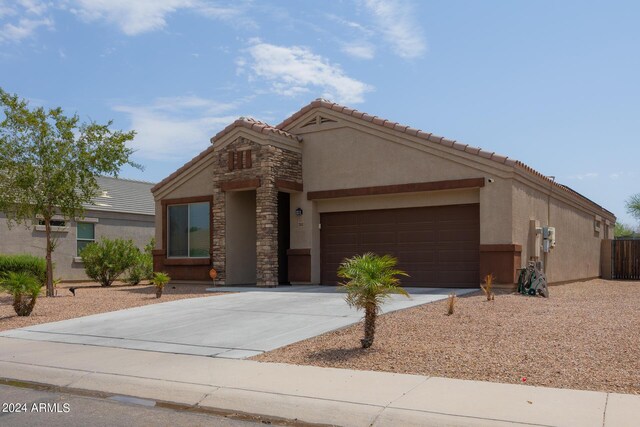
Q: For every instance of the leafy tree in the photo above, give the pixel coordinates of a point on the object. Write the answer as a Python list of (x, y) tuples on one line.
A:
[(622, 230), (633, 206), (106, 260), (371, 279), (49, 163)]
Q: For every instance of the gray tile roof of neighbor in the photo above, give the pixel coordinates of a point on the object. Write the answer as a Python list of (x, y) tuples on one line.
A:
[(123, 195)]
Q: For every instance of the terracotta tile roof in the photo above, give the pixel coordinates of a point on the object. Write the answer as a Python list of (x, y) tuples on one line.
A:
[(255, 125), (431, 138)]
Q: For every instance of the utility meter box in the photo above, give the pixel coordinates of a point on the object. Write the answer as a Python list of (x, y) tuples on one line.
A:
[(549, 238)]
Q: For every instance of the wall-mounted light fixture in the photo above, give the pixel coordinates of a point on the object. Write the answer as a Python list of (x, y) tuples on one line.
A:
[(299, 212)]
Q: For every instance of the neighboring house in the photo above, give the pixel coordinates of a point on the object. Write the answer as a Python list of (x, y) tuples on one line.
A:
[(123, 209), (276, 204)]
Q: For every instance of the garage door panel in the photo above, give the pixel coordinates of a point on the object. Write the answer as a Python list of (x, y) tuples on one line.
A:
[(342, 238), (437, 246), (421, 236), (417, 257), (378, 237)]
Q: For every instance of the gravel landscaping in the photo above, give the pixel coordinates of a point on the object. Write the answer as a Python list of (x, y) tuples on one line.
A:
[(91, 298), (585, 336)]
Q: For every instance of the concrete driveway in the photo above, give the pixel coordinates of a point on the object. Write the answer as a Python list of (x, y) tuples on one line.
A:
[(234, 325)]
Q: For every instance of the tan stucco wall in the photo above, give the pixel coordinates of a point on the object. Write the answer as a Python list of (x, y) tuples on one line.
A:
[(241, 237), (577, 251), (18, 239), (351, 157)]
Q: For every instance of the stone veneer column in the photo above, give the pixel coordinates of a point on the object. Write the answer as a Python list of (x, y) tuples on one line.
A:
[(267, 232), (218, 246)]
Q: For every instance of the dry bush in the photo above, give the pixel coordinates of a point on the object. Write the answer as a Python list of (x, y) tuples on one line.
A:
[(488, 287), (451, 302)]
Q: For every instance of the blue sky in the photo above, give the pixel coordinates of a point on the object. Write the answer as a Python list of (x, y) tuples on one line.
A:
[(554, 84)]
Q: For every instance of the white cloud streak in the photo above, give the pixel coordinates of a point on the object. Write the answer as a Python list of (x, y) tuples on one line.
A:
[(135, 17), (360, 50), (396, 21), (583, 176), (296, 70), (28, 15), (177, 127)]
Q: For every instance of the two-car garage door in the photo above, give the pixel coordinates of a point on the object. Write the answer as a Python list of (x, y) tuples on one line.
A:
[(437, 246)]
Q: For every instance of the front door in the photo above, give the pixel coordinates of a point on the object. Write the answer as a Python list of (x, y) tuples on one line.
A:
[(284, 224)]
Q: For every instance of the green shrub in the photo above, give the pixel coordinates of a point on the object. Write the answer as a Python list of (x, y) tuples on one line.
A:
[(143, 267), (24, 287), (37, 266), (106, 260)]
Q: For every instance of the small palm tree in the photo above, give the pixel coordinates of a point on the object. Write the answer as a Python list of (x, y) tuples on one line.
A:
[(371, 279), (159, 280), (24, 287)]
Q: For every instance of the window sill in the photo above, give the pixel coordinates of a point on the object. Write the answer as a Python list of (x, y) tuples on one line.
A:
[(187, 261), (54, 229), (78, 260)]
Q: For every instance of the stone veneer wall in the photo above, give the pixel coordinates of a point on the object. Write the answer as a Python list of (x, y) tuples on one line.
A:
[(268, 163)]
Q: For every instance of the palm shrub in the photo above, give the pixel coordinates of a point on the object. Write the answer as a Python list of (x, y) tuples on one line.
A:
[(24, 287), (106, 260), (370, 280), (159, 280)]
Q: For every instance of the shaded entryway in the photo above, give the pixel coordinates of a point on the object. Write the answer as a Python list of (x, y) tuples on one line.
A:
[(241, 237)]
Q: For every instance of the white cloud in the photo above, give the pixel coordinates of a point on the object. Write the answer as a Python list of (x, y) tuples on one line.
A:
[(131, 16), (140, 16), (177, 127), (395, 19), (24, 28), (35, 7), (583, 176), (29, 15), (295, 70), (360, 50)]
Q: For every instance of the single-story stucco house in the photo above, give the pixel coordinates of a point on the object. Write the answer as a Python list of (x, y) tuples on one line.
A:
[(122, 209), (269, 205)]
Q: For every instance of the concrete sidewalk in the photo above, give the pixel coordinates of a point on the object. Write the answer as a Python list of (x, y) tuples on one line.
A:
[(307, 394)]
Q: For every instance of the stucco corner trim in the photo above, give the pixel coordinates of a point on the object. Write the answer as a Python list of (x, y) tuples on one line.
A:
[(240, 184), (506, 247), (187, 261), (284, 184), (299, 251), (453, 184)]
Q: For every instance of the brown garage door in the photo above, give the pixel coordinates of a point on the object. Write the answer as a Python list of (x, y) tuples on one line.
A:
[(437, 246)]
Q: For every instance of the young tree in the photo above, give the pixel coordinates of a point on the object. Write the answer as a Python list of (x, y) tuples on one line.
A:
[(633, 206), (49, 163), (622, 230)]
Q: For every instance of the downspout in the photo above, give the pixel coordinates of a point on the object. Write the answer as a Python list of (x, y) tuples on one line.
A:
[(546, 254)]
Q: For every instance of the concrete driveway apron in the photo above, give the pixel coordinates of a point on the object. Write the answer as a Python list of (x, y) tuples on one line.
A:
[(241, 323)]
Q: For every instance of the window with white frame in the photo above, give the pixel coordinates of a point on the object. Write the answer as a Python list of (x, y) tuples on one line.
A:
[(86, 233), (188, 230)]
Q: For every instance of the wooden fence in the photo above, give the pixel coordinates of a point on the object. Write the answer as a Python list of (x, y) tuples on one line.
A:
[(625, 259)]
